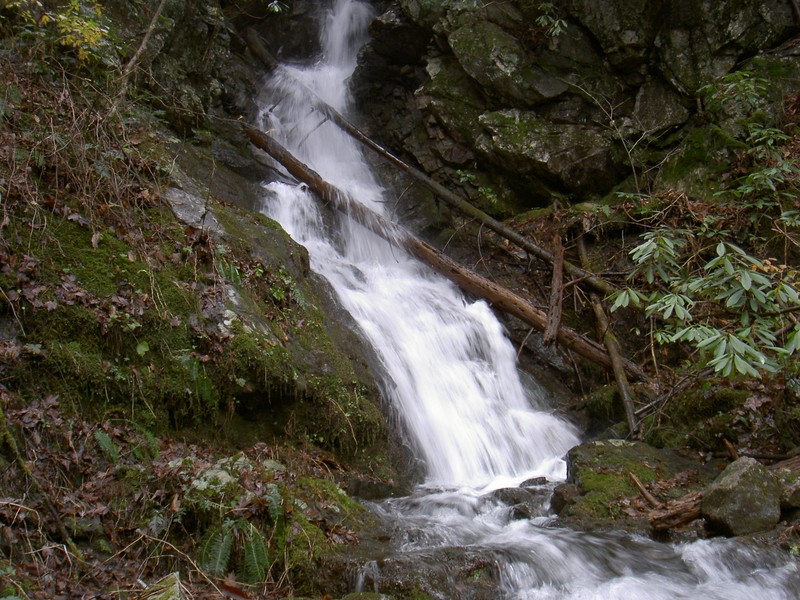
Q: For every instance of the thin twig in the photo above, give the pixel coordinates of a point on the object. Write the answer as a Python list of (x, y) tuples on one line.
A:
[(647, 495)]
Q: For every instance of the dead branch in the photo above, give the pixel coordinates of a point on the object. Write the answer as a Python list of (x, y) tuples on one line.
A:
[(677, 513), (128, 69), (647, 495), (612, 345), (556, 292)]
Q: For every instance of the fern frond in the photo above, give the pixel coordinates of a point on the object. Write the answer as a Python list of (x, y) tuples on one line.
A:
[(107, 445), (274, 501), (215, 549), (254, 551)]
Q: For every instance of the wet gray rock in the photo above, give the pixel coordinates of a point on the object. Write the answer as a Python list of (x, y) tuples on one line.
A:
[(563, 496), (569, 156), (658, 108), (534, 482), (700, 41), (624, 29), (790, 489), (744, 499)]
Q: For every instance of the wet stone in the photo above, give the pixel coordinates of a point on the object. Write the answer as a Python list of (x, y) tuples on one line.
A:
[(564, 495), (534, 482), (744, 499)]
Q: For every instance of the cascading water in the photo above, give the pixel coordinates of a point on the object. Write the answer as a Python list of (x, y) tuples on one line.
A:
[(451, 375)]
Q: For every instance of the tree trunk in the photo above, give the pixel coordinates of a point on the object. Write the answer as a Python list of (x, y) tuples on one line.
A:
[(472, 283), (556, 293)]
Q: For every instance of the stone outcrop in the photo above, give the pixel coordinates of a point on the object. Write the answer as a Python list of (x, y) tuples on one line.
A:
[(610, 94)]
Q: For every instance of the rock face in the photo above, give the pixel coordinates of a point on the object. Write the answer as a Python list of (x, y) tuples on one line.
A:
[(744, 499), (492, 91)]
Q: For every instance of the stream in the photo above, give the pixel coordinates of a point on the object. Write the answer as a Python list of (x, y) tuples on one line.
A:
[(451, 376)]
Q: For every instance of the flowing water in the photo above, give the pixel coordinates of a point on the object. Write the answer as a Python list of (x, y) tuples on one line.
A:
[(452, 378)]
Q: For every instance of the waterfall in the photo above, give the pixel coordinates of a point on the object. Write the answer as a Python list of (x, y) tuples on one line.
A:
[(451, 375), (451, 372)]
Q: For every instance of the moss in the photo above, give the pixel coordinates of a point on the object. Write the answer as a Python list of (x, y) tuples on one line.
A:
[(327, 493), (603, 471), (698, 418), (307, 548), (604, 405), (454, 99), (701, 160)]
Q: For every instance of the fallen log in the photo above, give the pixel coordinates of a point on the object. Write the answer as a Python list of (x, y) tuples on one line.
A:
[(599, 284), (677, 513), (612, 345), (472, 283)]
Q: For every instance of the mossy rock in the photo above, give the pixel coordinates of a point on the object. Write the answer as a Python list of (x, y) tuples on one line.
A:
[(604, 405), (701, 160), (602, 470), (697, 418), (320, 533), (181, 330)]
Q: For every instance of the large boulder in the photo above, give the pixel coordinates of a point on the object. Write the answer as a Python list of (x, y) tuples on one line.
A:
[(744, 499), (624, 29), (614, 89), (790, 489)]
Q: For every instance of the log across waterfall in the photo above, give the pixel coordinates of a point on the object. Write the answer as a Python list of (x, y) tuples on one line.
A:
[(472, 283), (601, 285)]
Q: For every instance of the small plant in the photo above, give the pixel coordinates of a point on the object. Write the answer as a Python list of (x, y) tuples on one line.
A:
[(77, 25), (550, 21), (107, 445), (275, 6), (235, 543)]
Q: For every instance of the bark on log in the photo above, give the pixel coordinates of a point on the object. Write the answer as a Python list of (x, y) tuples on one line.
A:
[(258, 50), (556, 292), (472, 283), (677, 513), (612, 345), (597, 283), (792, 464)]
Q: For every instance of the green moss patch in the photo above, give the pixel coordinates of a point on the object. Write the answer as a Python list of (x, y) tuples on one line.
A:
[(609, 496)]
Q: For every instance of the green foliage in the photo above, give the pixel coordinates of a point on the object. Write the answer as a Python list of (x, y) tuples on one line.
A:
[(274, 502), (733, 307), (255, 557), (75, 25), (216, 547), (107, 445), (235, 543), (770, 174), (742, 302), (739, 92), (550, 20)]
